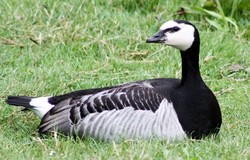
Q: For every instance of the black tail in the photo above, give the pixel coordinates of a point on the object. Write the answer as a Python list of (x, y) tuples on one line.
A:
[(19, 101)]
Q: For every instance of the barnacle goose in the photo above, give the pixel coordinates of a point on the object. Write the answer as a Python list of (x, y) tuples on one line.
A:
[(165, 108)]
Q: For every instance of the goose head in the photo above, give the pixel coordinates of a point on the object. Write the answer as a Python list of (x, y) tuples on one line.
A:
[(179, 34)]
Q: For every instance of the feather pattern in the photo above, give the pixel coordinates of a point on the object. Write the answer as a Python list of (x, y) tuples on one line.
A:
[(127, 111)]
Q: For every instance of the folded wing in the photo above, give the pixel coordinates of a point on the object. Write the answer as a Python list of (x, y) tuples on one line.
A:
[(126, 111)]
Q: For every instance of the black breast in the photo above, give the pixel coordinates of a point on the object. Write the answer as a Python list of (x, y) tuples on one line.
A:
[(198, 110)]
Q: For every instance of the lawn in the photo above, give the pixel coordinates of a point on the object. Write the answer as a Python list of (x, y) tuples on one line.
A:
[(54, 47)]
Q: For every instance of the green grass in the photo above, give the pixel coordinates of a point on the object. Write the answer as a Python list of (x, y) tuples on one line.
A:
[(54, 47)]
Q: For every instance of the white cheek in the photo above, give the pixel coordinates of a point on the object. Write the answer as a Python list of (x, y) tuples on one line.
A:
[(181, 40)]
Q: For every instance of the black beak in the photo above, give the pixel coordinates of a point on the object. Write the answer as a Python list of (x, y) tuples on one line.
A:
[(157, 38)]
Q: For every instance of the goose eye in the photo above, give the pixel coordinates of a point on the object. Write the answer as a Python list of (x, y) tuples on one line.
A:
[(175, 29)]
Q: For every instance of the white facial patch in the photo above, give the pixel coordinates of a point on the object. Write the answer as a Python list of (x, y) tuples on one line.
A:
[(182, 39)]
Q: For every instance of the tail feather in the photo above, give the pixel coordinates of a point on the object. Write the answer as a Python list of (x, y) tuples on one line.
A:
[(39, 105), (19, 101)]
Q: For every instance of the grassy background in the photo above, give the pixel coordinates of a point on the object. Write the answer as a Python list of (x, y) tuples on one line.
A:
[(54, 47)]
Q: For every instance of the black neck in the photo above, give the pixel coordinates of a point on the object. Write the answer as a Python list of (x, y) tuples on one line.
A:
[(190, 64)]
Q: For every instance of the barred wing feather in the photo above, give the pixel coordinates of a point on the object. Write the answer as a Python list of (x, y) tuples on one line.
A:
[(127, 111)]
